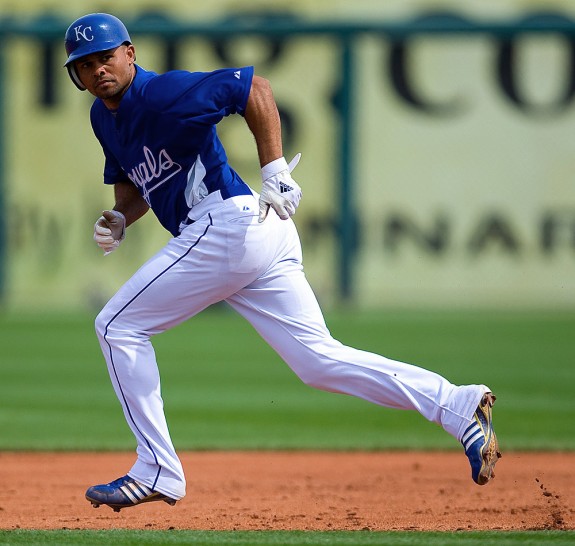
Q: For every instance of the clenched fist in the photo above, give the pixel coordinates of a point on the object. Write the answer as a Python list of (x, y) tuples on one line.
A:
[(110, 230)]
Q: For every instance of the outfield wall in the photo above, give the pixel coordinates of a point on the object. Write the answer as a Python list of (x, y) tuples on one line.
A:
[(464, 154)]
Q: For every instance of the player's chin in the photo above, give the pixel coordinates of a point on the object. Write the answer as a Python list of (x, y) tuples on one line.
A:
[(105, 90)]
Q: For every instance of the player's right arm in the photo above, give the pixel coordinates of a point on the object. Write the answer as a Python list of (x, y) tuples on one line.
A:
[(129, 202), (110, 229)]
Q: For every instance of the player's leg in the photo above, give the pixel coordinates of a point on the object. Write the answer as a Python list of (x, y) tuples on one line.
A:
[(148, 304), (283, 309), (213, 258), (291, 323)]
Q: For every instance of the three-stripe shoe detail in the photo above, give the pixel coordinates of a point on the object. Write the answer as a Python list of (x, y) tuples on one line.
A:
[(136, 491), (474, 432), (123, 493)]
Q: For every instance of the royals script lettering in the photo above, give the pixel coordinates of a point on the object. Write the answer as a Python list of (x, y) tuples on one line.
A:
[(153, 171)]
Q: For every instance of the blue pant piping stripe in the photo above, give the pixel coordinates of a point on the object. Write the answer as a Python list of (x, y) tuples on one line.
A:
[(110, 347)]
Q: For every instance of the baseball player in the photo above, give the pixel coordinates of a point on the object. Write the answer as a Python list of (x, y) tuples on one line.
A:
[(229, 243)]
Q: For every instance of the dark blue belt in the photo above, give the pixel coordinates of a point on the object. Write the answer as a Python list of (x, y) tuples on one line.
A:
[(231, 191)]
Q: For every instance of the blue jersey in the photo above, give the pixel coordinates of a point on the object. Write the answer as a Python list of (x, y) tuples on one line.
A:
[(163, 138)]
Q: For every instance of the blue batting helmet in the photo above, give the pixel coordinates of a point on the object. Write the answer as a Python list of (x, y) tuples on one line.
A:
[(90, 34)]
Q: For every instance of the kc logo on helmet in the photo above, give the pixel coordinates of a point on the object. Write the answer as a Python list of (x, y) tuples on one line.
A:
[(84, 33)]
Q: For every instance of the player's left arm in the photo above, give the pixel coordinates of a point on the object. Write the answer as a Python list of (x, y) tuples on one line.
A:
[(263, 119), (279, 189)]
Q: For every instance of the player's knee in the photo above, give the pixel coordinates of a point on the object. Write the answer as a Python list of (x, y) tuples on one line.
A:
[(102, 322), (315, 378), (99, 325)]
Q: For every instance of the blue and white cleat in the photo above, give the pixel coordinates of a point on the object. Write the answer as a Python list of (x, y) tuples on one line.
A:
[(123, 493), (480, 442)]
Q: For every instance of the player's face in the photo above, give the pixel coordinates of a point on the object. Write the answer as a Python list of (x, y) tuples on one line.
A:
[(107, 74)]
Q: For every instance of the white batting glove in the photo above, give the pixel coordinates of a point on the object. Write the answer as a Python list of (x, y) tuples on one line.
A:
[(279, 190), (110, 230)]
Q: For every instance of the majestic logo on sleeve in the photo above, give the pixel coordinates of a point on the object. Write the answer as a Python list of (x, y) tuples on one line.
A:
[(154, 171), (85, 33)]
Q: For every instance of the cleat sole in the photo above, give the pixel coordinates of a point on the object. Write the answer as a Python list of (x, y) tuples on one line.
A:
[(490, 453), (117, 508)]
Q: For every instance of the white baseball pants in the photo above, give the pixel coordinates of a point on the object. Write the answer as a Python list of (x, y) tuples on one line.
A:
[(257, 268)]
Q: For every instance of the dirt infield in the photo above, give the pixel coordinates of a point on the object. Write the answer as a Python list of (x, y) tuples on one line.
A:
[(298, 490)]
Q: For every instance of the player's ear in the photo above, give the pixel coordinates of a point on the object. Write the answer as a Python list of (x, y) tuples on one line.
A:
[(130, 53)]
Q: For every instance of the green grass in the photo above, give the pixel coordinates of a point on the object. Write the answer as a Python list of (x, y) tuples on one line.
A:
[(56, 394), (287, 538)]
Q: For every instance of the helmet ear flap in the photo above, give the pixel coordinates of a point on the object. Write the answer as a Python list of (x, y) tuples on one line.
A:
[(74, 77)]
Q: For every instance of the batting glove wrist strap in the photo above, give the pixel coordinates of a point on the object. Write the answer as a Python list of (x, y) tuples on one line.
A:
[(273, 168), (279, 190)]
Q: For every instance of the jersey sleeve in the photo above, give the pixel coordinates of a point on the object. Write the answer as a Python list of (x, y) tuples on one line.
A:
[(113, 172), (200, 97)]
